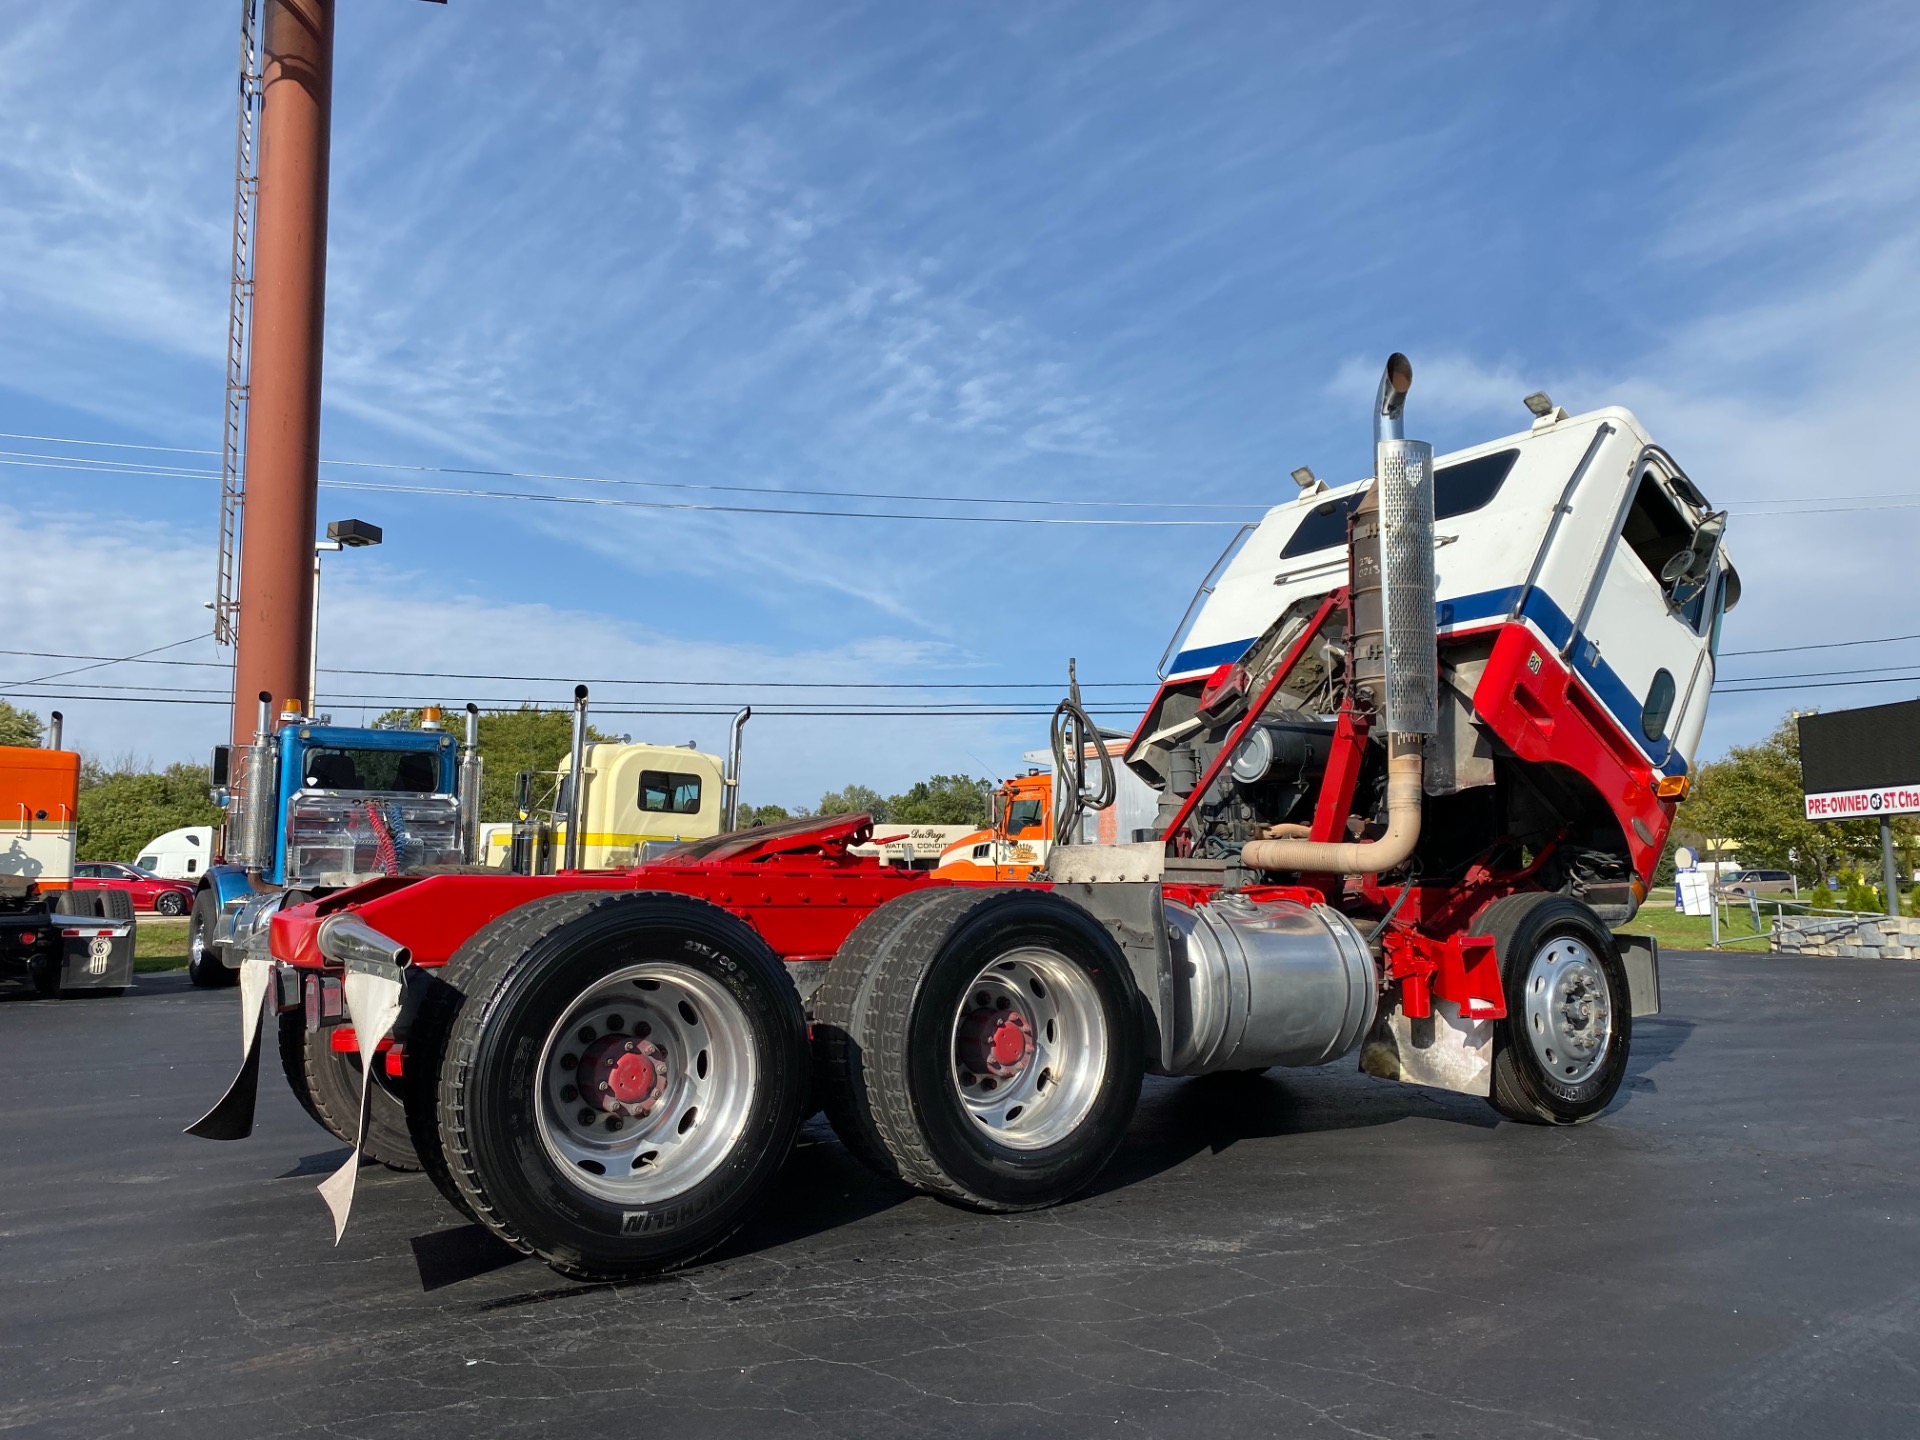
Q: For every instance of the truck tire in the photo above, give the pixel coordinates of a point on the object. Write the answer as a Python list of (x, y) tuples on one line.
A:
[(326, 1082), (624, 1078), (84, 903), (982, 1046), (203, 961), (115, 905), (1561, 1053)]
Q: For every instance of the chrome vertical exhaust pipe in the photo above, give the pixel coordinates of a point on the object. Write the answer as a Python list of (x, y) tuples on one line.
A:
[(1395, 646), (56, 729), (576, 779), (469, 789), (730, 782), (260, 799)]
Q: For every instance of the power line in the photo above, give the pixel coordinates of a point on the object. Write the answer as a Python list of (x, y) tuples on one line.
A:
[(1831, 504), (611, 680), (114, 660), (1818, 645), (536, 497), (65, 461)]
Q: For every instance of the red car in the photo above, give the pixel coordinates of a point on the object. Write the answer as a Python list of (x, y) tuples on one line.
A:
[(149, 891)]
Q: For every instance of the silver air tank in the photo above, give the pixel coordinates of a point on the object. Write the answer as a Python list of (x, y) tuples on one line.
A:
[(1275, 983)]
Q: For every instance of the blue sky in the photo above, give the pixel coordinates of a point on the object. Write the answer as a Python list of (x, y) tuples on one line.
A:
[(1126, 253)]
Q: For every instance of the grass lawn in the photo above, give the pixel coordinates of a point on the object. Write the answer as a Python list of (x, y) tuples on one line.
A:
[(160, 943)]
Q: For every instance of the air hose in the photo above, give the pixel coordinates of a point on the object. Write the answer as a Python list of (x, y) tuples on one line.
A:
[(1071, 731)]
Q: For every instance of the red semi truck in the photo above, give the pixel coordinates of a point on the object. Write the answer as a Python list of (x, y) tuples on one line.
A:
[(1400, 815)]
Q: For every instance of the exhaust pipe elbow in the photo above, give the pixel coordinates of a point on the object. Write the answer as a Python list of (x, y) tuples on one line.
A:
[(1390, 401), (346, 939), (1406, 769)]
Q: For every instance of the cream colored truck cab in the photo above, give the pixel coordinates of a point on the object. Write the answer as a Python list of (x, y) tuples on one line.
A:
[(636, 796)]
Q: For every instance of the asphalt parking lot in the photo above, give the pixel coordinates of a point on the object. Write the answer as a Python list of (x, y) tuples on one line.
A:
[(1733, 1250)]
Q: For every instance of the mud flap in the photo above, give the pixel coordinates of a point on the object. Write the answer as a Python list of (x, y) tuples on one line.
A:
[(1443, 1049), (231, 1118), (373, 1002)]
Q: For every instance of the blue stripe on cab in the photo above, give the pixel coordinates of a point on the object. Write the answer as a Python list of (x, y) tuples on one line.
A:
[(1546, 617)]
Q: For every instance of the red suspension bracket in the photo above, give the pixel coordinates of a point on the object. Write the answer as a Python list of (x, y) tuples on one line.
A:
[(1461, 968)]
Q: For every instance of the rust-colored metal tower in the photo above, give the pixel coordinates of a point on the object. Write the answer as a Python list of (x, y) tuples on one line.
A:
[(274, 619)]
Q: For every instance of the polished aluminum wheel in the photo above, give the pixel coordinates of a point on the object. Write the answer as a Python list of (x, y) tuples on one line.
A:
[(1029, 1048), (646, 1083), (1568, 1010), (196, 946)]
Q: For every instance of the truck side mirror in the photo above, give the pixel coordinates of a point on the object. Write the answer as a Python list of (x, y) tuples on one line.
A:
[(999, 812), (222, 763), (1685, 575)]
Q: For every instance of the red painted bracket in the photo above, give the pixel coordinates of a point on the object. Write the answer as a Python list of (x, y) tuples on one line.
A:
[(1462, 968)]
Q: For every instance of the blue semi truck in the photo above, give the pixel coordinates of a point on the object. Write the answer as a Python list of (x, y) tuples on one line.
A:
[(313, 807)]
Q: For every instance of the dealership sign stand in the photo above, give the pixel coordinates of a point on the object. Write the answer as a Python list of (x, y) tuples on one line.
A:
[(1861, 764)]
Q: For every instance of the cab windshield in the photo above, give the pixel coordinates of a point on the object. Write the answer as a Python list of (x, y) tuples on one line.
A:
[(406, 772)]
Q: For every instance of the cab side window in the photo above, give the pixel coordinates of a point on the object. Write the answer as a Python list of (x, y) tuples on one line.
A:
[(668, 792)]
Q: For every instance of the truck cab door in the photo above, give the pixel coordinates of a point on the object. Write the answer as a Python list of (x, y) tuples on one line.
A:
[(1641, 642)]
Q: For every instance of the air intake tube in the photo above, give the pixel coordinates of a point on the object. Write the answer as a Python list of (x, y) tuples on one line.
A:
[(1395, 654)]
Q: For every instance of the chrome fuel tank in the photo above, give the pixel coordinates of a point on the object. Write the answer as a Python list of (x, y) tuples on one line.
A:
[(1257, 984)]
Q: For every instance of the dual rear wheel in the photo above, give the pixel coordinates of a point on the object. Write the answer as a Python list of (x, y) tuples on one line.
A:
[(611, 1081)]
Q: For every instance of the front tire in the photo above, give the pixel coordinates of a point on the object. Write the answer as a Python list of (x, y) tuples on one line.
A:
[(1560, 1055), (623, 1080), (983, 1046), (203, 961)]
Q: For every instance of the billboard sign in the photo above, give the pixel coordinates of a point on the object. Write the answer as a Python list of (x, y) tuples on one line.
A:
[(1861, 764)]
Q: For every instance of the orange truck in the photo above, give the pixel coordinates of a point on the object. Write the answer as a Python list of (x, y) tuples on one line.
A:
[(53, 939), (1015, 843)]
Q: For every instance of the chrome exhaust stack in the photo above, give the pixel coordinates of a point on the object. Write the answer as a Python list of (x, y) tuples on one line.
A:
[(260, 807), (730, 782), (576, 780), (468, 789), (1395, 646), (56, 729)]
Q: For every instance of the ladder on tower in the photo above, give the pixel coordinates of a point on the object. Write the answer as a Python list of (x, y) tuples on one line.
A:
[(246, 195)]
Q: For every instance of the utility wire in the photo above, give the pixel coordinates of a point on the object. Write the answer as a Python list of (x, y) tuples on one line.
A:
[(117, 660), (1818, 645), (1836, 504)]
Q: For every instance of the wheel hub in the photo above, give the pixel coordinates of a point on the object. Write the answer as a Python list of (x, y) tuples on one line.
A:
[(1029, 1048), (995, 1043), (1569, 1011), (646, 1082), (622, 1074)]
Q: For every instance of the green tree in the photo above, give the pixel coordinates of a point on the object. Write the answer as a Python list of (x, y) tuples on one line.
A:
[(752, 815), (123, 808), (20, 727), (854, 798), (942, 800), (1754, 800)]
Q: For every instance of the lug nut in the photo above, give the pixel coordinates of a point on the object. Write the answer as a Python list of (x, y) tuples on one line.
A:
[(614, 1022), (567, 1062), (586, 1117), (568, 1095), (587, 1033), (614, 1122)]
